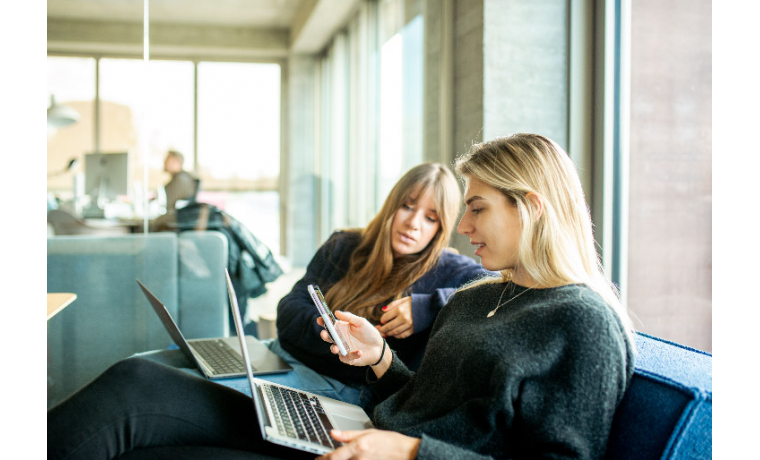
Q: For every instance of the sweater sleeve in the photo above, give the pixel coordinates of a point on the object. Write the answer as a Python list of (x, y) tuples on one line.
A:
[(436, 287), (394, 378)]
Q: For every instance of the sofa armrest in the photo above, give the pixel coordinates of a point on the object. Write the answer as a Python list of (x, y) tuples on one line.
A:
[(667, 410)]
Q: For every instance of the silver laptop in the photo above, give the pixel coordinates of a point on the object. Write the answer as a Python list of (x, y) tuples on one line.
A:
[(295, 418), (218, 358)]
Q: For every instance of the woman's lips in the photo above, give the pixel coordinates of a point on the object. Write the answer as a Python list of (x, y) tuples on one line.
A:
[(406, 238), (480, 246)]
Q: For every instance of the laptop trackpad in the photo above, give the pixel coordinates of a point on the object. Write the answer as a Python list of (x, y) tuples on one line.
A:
[(345, 423)]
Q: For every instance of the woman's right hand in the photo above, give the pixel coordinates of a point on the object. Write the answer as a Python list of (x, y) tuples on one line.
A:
[(365, 341)]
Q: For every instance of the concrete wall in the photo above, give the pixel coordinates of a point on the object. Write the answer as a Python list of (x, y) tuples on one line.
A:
[(510, 73), (525, 57)]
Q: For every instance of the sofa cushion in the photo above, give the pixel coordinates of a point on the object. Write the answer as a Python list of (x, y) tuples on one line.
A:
[(667, 410)]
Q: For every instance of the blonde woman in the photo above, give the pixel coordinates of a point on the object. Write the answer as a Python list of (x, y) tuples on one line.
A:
[(531, 365), (397, 272)]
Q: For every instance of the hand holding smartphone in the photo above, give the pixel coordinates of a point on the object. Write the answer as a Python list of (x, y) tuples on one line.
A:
[(330, 321)]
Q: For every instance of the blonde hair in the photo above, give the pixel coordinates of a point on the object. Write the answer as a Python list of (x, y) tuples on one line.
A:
[(374, 276), (557, 247)]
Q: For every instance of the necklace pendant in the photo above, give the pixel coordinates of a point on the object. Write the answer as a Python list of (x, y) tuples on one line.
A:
[(491, 313)]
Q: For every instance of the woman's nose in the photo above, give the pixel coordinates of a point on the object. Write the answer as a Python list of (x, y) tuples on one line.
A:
[(413, 221), (463, 228)]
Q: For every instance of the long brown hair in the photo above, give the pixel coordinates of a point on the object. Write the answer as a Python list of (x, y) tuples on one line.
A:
[(374, 276)]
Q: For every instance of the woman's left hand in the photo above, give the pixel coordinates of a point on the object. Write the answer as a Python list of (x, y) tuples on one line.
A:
[(373, 444), (397, 320)]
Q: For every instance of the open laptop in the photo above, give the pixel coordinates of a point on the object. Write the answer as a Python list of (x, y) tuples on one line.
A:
[(218, 358), (295, 418)]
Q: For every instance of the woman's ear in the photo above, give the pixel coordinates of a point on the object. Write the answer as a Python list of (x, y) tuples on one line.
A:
[(536, 203)]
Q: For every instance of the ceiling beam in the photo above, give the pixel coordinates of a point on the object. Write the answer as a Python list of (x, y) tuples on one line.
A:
[(169, 40), (317, 21)]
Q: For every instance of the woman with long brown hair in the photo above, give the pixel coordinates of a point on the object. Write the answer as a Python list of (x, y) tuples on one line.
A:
[(396, 272)]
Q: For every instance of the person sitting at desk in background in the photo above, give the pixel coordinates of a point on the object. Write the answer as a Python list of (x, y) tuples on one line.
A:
[(536, 372), (182, 186), (397, 272)]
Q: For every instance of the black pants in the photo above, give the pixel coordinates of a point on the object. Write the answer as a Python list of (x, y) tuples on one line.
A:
[(142, 409)]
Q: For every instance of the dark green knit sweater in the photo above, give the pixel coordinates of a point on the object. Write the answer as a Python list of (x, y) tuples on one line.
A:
[(540, 379)]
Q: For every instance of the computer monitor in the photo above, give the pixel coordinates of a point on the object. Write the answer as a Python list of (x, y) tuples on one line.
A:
[(106, 175)]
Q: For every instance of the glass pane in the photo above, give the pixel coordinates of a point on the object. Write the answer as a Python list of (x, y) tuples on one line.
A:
[(401, 104), (391, 120), (239, 143), (146, 106), (71, 82)]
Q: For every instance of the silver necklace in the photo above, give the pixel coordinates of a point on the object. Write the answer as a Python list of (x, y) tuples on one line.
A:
[(499, 304)]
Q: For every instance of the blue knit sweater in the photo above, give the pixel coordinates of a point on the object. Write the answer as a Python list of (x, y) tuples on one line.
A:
[(540, 379), (297, 327)]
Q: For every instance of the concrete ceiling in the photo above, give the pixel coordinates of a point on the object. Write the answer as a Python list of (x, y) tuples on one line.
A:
[(253, 28), (253, 13)]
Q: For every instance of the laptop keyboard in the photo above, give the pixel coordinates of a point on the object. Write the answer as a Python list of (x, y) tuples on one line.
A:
[(220, 357), (299, 416)]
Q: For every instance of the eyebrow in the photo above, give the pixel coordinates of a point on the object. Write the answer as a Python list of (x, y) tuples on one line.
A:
[(472, 198), (413, 200)]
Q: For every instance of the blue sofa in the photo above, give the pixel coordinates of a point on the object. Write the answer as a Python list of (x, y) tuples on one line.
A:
[(666, 412), (111, 318)]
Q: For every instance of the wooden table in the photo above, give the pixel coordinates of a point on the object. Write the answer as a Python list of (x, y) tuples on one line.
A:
[(58, 301)]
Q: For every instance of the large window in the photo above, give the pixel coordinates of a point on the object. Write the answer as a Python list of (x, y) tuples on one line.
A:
[(71, 82), (370, 112), (401, 105), (144, 109), (239, 143)]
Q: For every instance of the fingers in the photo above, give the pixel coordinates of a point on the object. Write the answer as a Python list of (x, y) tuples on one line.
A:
[(401, 332), (350, 318), (348, 451), (395, 304), (352, 358), (397, 319), (389, 315), (345, 452), (347, 435), (395, 329), (392, 309), (324, 335), (395, 322)]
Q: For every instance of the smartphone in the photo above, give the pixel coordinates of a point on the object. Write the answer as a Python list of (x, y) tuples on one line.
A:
[(329, 319)]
